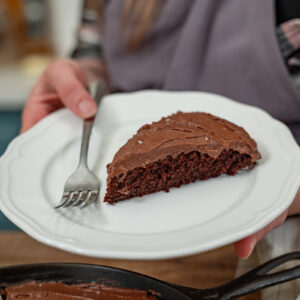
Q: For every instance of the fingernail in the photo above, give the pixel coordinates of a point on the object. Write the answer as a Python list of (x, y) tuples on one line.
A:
[(251, 247), (87, 108)]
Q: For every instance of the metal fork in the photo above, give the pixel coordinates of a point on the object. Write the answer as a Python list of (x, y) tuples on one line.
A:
[(82, 187)]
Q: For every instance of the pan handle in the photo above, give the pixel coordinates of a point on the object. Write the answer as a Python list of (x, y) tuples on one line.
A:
[(251, 281), (259, 278)]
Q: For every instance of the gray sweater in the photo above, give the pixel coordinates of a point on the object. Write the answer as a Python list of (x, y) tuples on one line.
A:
[(227, 47)]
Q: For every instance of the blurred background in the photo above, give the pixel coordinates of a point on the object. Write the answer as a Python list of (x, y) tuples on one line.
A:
[(32, 34)]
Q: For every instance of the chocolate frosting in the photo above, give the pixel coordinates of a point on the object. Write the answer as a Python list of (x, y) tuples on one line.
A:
[(181, 133), (61, 291)]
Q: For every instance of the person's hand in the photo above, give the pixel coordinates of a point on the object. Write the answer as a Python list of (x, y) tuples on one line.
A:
[(62, 84), (245, 246)]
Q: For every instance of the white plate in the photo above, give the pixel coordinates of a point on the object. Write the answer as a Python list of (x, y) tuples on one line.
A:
[(197, 217)]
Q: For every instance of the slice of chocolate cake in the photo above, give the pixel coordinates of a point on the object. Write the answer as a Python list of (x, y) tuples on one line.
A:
[(176, 150)]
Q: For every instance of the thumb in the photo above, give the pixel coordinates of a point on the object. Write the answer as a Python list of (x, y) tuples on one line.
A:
[(245, 247), (67, 80)]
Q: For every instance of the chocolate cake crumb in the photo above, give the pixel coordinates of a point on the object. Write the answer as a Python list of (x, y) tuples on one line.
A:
[(174, 172)]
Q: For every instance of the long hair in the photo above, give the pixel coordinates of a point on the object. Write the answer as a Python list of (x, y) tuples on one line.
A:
[(137, 18)]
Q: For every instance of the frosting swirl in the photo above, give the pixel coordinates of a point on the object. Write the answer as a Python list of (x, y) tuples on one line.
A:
[(182, 133)]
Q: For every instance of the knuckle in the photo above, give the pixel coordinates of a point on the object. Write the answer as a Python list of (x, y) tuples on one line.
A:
[(58, 65), (71, 88), (73, 93), (54, 66)]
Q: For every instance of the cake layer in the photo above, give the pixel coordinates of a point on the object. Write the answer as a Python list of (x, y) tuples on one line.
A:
[(174, 172)]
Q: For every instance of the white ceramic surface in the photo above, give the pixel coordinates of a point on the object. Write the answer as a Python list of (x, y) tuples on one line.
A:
[(195, 218)]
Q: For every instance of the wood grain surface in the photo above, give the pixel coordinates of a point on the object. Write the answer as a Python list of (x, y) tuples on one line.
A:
[(204, 270)]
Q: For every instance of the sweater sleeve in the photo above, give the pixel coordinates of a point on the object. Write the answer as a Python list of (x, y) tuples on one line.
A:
[(288, 35)]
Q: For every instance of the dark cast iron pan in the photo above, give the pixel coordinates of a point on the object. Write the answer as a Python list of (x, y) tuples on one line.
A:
[(68, 273)]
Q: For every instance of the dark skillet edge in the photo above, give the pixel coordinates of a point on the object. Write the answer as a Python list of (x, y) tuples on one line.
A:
[(69, 273), (72, 273)]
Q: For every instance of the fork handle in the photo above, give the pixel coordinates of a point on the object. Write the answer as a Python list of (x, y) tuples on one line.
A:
[(97, 90)]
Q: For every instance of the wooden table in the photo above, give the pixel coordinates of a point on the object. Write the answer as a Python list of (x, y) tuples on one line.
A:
[(200, 271)]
